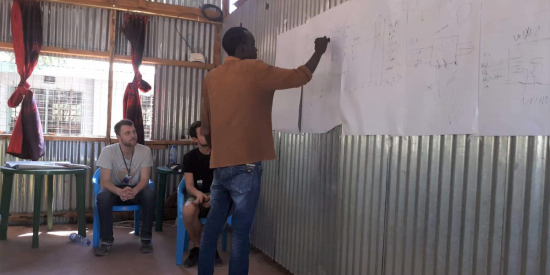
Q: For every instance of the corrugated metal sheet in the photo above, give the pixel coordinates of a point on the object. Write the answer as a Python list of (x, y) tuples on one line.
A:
[(77, 27), (164, 38), (468, 205), (5, 21), (177, 101), (362, 184), (66, 26), (300, 206), (407, 205), (403, 205)]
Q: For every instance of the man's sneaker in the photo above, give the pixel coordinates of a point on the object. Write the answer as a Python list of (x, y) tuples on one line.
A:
[(103, 249), (146, 246), (193, 258), (218, 262)]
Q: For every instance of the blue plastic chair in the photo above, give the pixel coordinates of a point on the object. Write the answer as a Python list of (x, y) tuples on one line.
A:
[(183, 238), (119, 208)]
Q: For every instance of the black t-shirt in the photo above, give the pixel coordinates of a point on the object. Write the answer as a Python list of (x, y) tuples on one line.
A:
[(198, 164)]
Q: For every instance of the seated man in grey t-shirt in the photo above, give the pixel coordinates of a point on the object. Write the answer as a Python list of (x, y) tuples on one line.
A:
[(125, 171)]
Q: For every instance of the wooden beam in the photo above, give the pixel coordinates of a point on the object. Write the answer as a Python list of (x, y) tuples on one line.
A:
[(66, 138), (100, 139), (170, 142), (121, 58), (74, 52), (164, 142), (218, 46), (225, 7), (60, 138), (62, 51), (112, 36), (159, 61), (6, 46), (146, 7)]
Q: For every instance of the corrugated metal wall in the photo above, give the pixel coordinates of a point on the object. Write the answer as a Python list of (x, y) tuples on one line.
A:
[(299, 204), (78, 27), (468, 205), (165, 38), (5, 23), (363, 177), (177, 101), (66, 26), (177, 89), (353, 205)]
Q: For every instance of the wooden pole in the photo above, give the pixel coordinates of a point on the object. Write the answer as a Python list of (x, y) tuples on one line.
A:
[(112, 37), (225, 8), (217, 45), (218, 35)]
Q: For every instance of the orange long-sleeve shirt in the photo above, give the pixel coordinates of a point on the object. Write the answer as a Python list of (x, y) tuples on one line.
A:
[(237, 99)]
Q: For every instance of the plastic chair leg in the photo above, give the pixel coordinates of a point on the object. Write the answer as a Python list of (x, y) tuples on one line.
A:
[(137, 215), (96, 228), (180, 242)]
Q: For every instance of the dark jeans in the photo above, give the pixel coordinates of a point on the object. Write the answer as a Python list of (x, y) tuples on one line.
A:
[(236, 187), (105, 202)]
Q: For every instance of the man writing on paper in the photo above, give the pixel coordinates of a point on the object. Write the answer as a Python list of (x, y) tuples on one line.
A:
[(125, 171), (236, 120)]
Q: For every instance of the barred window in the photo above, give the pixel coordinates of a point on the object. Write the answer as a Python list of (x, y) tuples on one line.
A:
[(72, 95), (60, 111)]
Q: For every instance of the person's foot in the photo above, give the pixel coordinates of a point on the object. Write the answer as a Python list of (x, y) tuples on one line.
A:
[(193, 258), (218, 262), (146, 246), (103, 249)]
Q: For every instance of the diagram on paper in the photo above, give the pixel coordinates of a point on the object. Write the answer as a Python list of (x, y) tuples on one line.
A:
[(522, 67), (442, 48), (374, 67), (321, 97), (444, 53), (515, 74)]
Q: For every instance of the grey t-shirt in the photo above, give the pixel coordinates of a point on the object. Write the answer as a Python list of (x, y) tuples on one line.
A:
[(111, 158)]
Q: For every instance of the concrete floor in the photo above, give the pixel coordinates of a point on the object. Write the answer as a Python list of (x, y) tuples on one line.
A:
[(57, 255)]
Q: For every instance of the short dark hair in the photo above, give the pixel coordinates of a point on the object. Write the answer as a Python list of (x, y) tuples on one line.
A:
[(232, 39), (124, 122), (193, 129)]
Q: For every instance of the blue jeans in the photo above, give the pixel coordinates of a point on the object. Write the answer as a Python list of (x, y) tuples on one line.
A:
[(236, 187)]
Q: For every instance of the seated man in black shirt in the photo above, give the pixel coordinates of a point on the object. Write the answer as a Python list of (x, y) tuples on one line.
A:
[(198, 179)]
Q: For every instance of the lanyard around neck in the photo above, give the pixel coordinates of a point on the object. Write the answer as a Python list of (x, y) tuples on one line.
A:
[(124, 159)]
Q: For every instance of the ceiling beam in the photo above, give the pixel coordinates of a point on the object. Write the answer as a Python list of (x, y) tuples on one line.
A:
[(141, 6), (120, 58)]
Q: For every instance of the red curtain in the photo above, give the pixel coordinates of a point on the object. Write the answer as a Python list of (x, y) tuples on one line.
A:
[(134, 28), (27, 141)]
